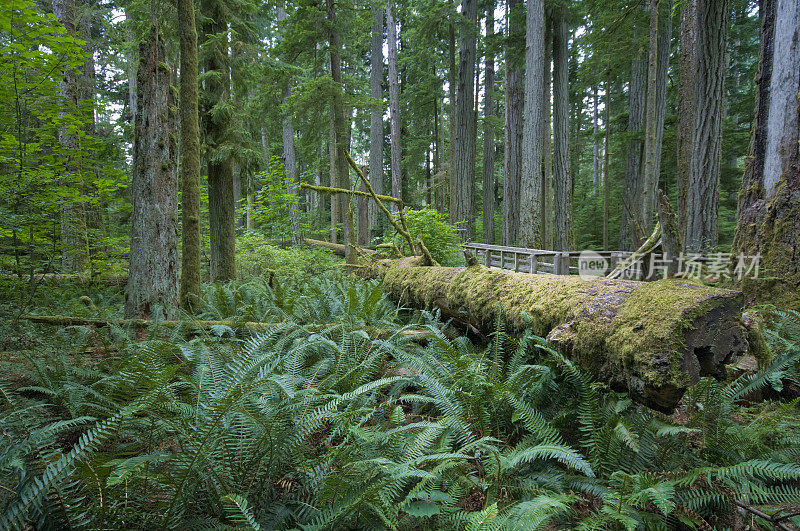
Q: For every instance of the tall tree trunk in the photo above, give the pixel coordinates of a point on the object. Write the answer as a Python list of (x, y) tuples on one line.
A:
[(606, 158), (334, 180), (687, 106), (562, 179), (341, 136), (631, 230), (189, 158), (289, 158), (488, 131), (74, 245), (531, 185), (376, 117), (221, 215), (547, 133), (703, 192), (465, 121), (660, 30), (153, 279), (769, 202), (394, 103), (514, 104), (452, 73), (595, 146)]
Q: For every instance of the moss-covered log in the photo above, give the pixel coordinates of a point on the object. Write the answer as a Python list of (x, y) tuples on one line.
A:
[(654, 339)]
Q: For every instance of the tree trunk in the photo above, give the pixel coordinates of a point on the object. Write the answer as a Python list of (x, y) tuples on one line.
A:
[(153, 278), (189, 159), (547, 133), (769, 202), (289, 158), (452, 73), (465, 122), (221, 215), (334, 180), (340, 135), (74, 245), (531, 186), (619, 331), (703, 192), (376, 117), (687, 106), (488, 131), (606, 157), (515, 101), (595, 146), (631, 230), (562, 179), (394, 103)]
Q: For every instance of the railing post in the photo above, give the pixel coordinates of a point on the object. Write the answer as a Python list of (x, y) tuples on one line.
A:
[(562, 264), (502, 259), (534, 264), (487, 257), (516, 262)]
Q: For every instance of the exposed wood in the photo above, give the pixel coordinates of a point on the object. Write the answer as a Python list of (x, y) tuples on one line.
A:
[(653, 339)]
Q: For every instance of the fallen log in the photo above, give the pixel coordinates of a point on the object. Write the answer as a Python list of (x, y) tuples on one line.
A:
[(653, 339), (48, 278), (250, 326)]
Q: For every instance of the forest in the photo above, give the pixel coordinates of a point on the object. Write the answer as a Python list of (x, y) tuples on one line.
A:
[(400, 264)]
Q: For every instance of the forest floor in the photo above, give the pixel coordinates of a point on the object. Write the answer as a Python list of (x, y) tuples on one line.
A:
[(336, 416)]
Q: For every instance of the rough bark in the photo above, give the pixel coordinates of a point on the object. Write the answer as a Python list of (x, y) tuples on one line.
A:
[(531, 191), (189, 158), (660, 29), (653, 339), (488, 131), (340, 133), (153, 278), (547, 133), (376, 116), (465, 121), (394, 102), (289, 157), (562, 179), (514, 103), (769, 202), (703, 191), (221, 211), (687, 106), (606, 158), (631, 230), (334, 180), (452, 72)]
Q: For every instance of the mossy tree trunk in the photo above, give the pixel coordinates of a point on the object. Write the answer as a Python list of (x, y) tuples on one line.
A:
[(769, 202), (216, 119), (376, 116), (153, 279), (514, 103), (190, 158), (488, 131), (562, 177), (653, 339)]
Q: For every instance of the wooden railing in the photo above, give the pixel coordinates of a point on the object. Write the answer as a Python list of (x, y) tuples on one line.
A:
[(521, 259)]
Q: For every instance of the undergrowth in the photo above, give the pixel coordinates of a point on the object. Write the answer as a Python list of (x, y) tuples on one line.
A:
[(348, 413)]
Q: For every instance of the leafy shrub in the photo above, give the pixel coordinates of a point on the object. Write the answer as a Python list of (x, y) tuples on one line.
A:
[(439, 235), (256, 255)]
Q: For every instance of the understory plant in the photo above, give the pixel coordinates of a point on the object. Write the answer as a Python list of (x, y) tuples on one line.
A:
[(349, 413)]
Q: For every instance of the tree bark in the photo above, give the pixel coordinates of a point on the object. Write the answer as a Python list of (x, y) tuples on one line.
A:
[(769, 201), (153, 278), (394, 102), (547, 133), (376, 116), (514, 107), (562, 179), (687, 106), (289, 157), (465, 122), (488, 131), (653, 339), (703, 192), (340, 134), (631, 230), (595, 145), (221, 211), (189, 159), (531, 185), (606, 159), (334, 180)]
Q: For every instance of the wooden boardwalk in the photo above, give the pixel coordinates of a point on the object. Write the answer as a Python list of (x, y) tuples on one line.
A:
[(534, 261)]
